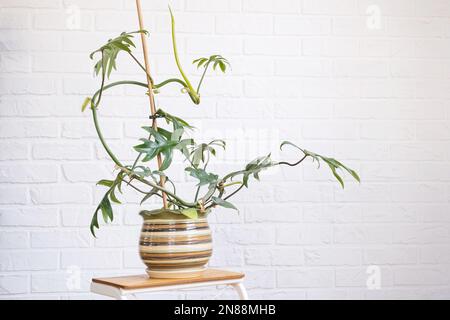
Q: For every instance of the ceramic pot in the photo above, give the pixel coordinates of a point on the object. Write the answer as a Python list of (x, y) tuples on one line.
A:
[(173, 246)]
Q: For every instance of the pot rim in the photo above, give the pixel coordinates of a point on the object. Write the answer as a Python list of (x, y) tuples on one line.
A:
[(168, 214)]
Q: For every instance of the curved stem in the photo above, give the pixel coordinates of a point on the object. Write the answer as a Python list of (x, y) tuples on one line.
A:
[(94, 116), (192, 93), (118, 83), (102, 140), (292, 164), (159, 85)]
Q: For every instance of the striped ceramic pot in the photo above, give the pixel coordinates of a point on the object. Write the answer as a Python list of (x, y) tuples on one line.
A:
[(173, 246)]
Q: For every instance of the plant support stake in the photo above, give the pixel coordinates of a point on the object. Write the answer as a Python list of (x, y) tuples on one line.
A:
[(150, 89)]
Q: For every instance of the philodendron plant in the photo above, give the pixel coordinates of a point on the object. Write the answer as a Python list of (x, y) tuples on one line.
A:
[(211, 189)]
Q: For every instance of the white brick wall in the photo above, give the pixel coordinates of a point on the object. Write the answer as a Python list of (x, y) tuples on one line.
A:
[(373, 91)]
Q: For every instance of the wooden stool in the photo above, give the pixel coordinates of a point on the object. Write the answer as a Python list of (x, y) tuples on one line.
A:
[(123, 287)]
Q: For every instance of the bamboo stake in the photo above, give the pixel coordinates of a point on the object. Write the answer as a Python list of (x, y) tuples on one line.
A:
[(150, 89)]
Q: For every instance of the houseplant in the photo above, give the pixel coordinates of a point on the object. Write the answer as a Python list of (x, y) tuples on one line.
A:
[(176, 240)]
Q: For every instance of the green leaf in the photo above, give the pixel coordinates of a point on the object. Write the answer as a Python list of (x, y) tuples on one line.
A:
[(110, 51), (113, 197), (106, 183), (85, 104), (203, 176), (332, 163), (107, 213), (94, 223), (191, 213), (223, 203), (211, 190)]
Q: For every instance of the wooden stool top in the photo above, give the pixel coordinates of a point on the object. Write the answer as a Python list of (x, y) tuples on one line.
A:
[(143, 281)]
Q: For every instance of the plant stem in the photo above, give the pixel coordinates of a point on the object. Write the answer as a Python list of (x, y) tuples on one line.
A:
[(97, 127), (102, 140), (157, 186), (192, 93), (234, 192), (203, 76), (142, 67)]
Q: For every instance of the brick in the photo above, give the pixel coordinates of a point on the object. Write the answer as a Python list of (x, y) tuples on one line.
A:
[(244, 24), (311, 193), (87, 172), (27, 85), (358, 277), (220, 7), (227, 256), (70, 280), (28, 173), (311, 26), (329, 47), (437, 254), (290, 256), (362, 234), (58, 151), (63, 20), (391, 256), (61, 239), (391, 130), (13, 240), (421, 234), (13, 284), (61, 194), (16, 62), (115, 238), (30, 129), (271, 6), (77, 216), (31, 4), (13, 195), (359, 26), (329, 7), (421, 276), (187, 23), (418, 193), (361, 68), (14, 19), (272, 213), (304, 67), (86, 4), (305, 234), (332, 256), (418, 27), (273, 46), (254, 277), (389, 8), (232, 108), (244, 235), (418, 69), (13, 151), (330, 130), (392, 172), (90, 259), (305, 278), (57, 62), (29, 217), (14, 40), (27, 260)]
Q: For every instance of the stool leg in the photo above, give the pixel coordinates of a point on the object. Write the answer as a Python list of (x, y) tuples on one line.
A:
[(239, 287)]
